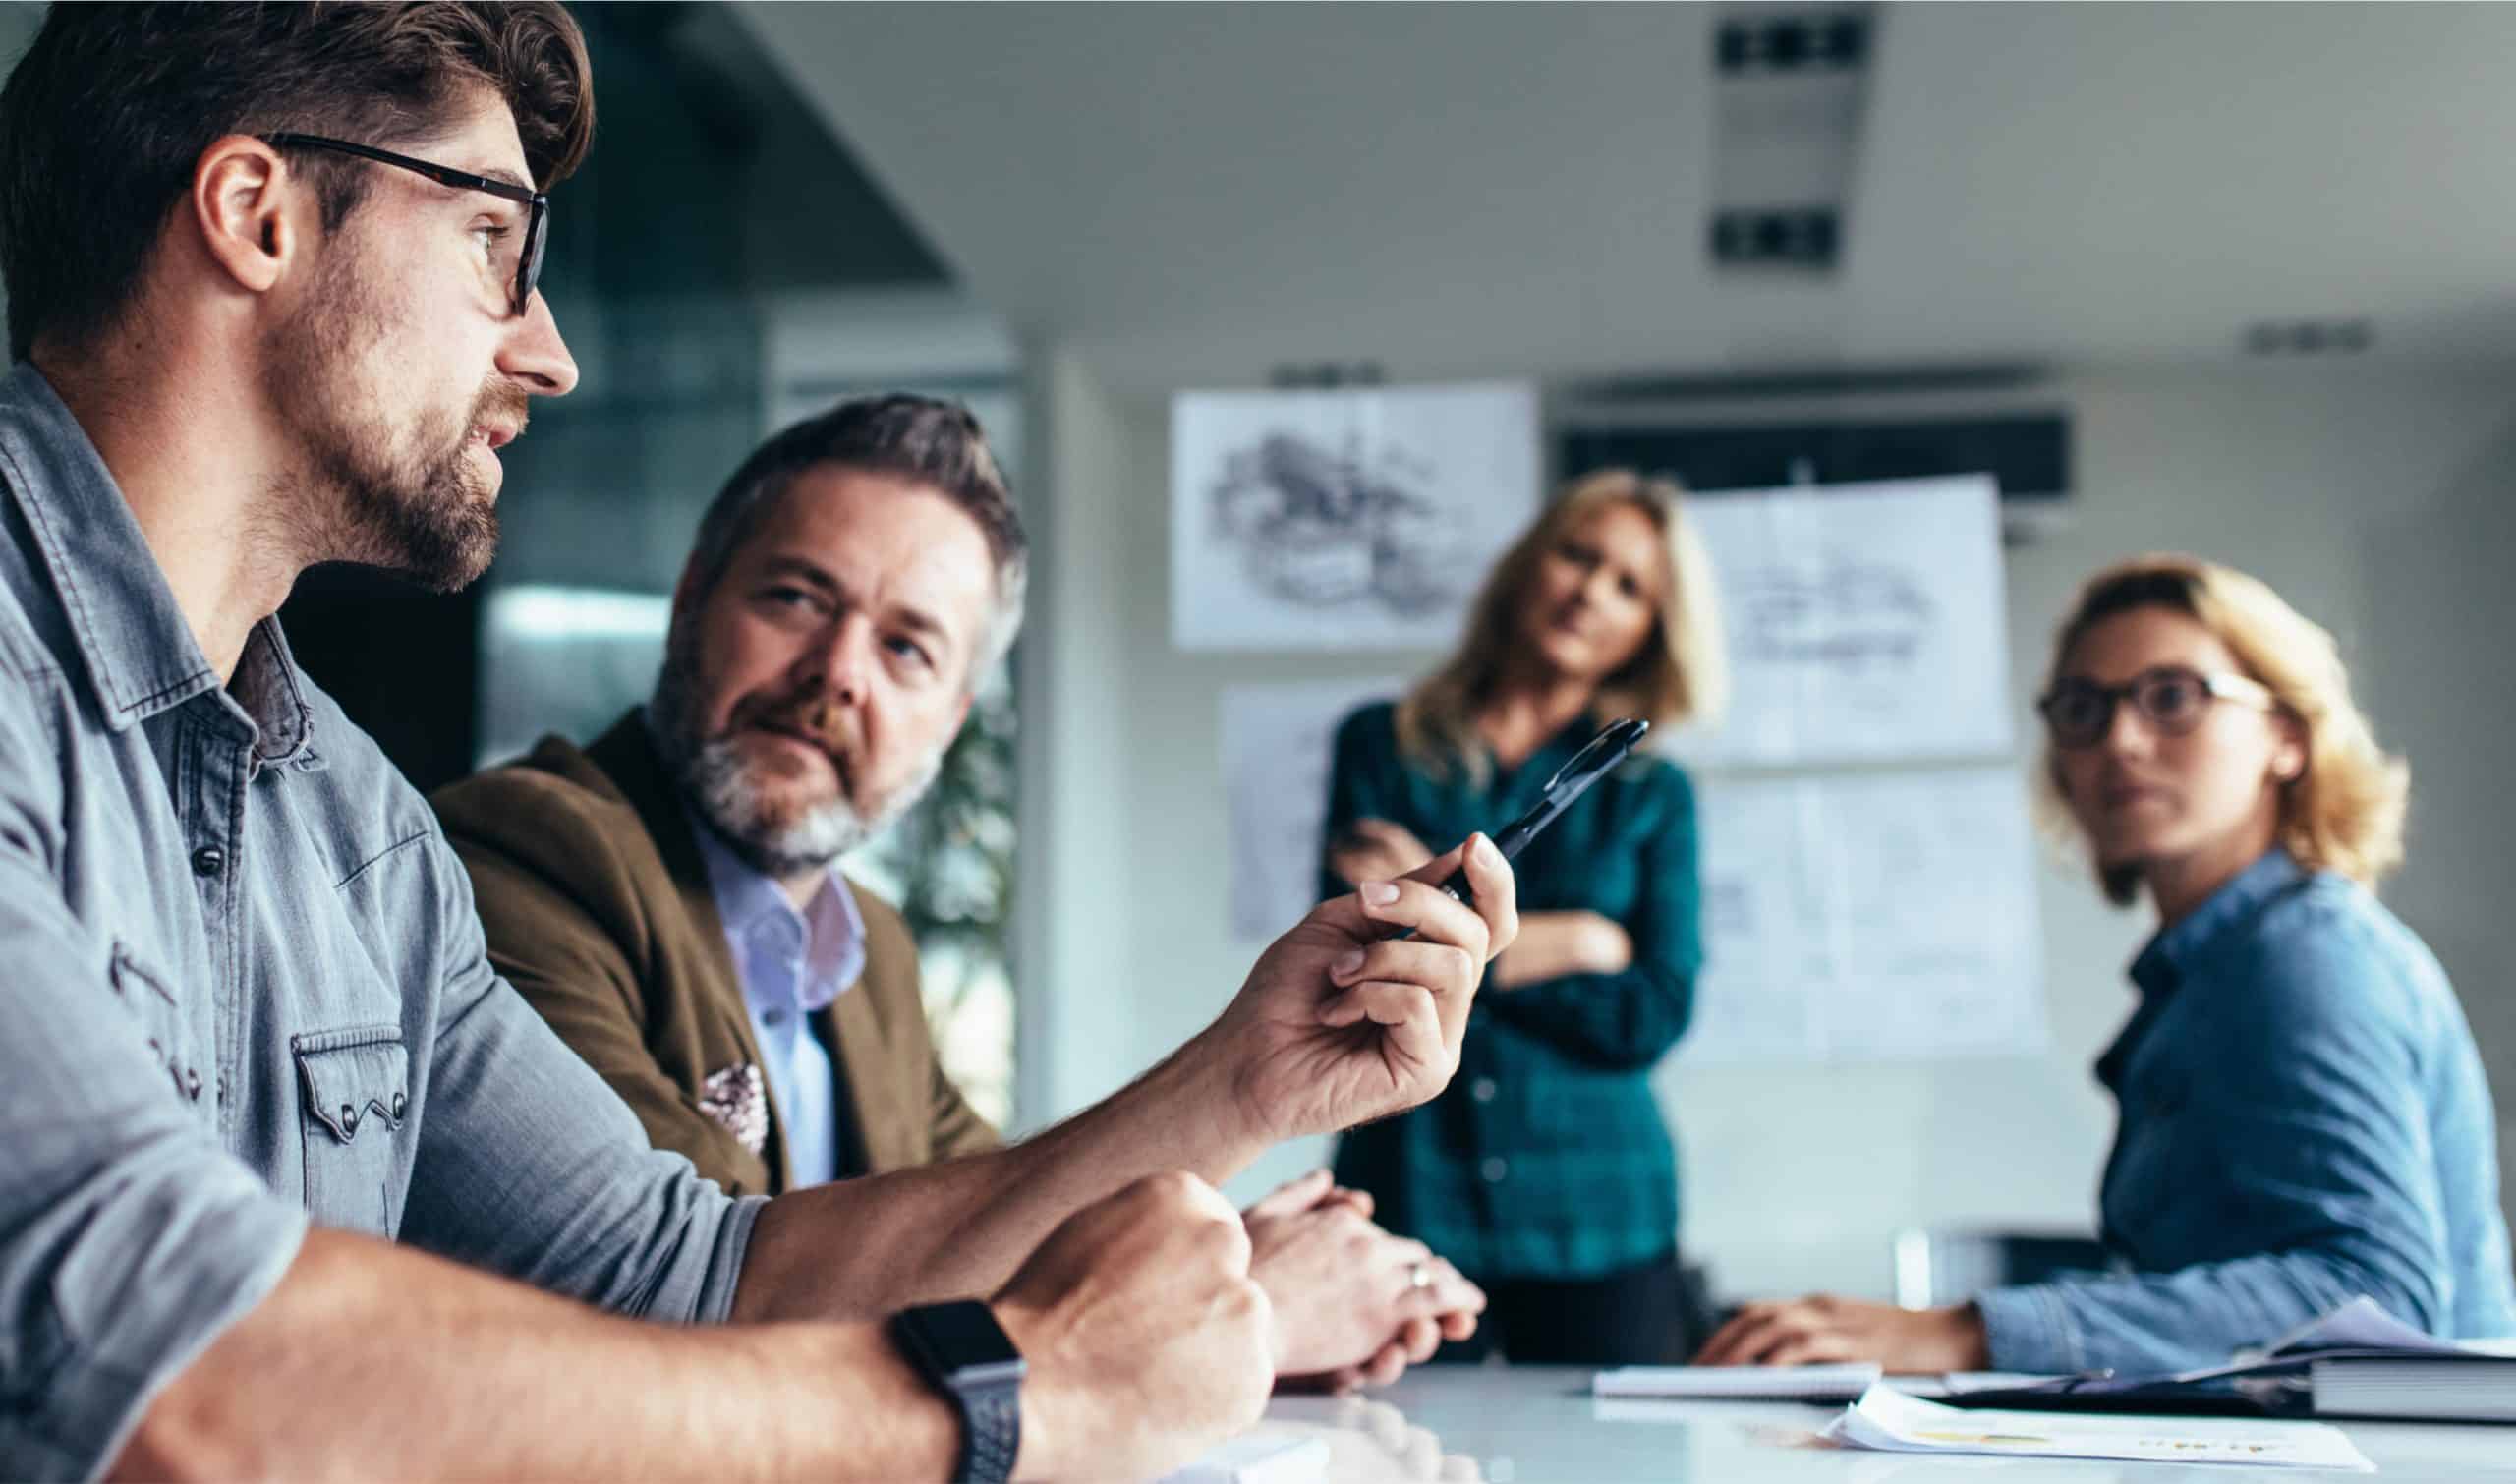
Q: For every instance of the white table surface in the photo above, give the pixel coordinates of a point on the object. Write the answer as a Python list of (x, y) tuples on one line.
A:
[(1538, 1425)]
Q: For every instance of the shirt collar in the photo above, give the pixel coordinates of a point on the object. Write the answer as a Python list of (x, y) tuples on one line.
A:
[(746, 898), (2163, 964), (141, 653)]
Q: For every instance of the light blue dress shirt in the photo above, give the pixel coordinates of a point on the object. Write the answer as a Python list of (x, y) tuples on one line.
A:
[(793, 965), (242, 990), (2305, 1120)]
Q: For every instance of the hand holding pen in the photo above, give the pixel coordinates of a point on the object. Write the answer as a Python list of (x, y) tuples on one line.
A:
[(1358, 1011), (1595, 761), (1341, 1022)]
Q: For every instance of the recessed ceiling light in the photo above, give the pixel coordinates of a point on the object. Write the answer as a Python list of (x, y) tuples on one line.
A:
[(2309, 337)]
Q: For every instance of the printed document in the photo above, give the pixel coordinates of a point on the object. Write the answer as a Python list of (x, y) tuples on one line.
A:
[(1887, 1420)]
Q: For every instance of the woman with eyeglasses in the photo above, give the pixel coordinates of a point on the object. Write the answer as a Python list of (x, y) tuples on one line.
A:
[(2303, 1118), (1546, 1172)]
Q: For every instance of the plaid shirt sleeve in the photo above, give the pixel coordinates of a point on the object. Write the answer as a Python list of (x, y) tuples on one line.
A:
[(1629, 1019)]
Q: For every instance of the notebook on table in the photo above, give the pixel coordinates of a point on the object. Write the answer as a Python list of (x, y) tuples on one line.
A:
[(1735, 1383), (2357, 1361)]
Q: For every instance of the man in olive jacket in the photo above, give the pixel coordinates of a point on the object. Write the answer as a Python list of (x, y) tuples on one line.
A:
[(667, 896), (588, 875)]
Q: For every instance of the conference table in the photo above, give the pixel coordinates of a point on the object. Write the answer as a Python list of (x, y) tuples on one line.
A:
[(1538, 1424)]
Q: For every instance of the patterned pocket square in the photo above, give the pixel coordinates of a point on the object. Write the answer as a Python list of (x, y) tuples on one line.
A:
[(738, 1100)]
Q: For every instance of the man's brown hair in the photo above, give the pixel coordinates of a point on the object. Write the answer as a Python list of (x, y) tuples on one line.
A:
[(105, 117)]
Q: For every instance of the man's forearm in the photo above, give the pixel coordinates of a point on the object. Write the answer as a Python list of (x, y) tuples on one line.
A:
[(866, 1247), (375, 1361)]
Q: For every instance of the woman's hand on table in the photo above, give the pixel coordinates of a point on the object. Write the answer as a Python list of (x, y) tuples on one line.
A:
[(1349, 1308), (1824, 1328)]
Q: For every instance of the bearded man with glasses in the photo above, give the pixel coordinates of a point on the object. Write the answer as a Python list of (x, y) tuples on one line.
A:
[(292, 1183)]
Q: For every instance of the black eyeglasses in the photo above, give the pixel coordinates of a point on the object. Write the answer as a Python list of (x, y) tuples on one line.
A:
[(2171, 699), (528, 268)]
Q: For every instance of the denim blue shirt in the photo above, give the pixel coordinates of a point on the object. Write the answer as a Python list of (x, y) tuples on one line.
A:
[(243, 990), (2304, 1120), (793, 965)]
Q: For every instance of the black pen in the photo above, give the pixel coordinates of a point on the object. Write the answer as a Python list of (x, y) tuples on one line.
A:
[(1592, 763)]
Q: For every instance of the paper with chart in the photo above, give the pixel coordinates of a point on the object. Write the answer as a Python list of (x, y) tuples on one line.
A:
[(1864, 623), (1352, 519), (1890, 1421), (1276, 740), (1867, 916)]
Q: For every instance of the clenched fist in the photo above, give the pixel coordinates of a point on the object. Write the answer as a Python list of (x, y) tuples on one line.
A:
[(1147, 1340)]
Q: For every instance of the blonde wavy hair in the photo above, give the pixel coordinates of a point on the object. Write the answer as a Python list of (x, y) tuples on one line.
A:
[(1679, 674), (2344, 811)]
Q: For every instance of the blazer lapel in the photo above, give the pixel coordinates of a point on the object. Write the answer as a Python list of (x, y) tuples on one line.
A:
[(863, 1140), (627, 754)]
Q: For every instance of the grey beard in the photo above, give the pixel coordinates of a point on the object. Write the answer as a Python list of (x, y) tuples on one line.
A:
[(713, 778), (716, 782)]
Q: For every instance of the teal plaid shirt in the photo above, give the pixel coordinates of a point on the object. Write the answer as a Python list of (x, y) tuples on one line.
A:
[(1547, 1157)]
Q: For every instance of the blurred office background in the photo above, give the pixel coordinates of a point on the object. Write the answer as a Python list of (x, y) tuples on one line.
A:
[(2251, 259)]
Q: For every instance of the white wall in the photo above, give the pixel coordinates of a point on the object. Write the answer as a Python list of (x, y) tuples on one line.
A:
[(2381, 504)]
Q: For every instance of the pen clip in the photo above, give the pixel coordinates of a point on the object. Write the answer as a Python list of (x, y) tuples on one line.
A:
[(1605, 750), (1603, 753)]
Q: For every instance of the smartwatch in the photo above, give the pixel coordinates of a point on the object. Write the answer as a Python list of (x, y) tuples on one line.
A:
[(964, 1353)]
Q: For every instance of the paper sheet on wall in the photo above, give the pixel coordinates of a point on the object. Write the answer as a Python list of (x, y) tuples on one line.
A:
[(1276, 754), (1864, 623), (1867, 916), (1327, 520)]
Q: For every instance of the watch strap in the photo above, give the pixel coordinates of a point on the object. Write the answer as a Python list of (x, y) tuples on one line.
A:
[(987, 1400), (991, 1433)]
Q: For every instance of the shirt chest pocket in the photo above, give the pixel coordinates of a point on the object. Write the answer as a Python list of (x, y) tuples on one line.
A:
[(355, 1087)]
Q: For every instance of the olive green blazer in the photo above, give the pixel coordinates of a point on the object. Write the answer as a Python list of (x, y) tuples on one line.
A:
[(598, 909)]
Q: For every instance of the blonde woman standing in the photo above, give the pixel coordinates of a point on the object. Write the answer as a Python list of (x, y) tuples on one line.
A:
[(1546, 1173), (2304, 1114)]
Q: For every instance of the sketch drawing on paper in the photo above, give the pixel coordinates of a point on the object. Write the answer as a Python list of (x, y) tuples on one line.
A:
[(1352, 525), (1863, 628), (1868, 917), (1839, 613), (1342, 519), (1866, 624)]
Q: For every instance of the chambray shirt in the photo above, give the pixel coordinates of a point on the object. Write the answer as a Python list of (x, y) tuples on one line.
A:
[(1547, 1156), (243, 991), (2304, 1120), (792, 964)]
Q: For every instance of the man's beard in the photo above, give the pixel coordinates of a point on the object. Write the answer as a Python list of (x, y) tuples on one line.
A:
[(413, 506), (773, 837)]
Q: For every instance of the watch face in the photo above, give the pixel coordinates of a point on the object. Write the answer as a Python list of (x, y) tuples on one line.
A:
[(965, 1342)]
